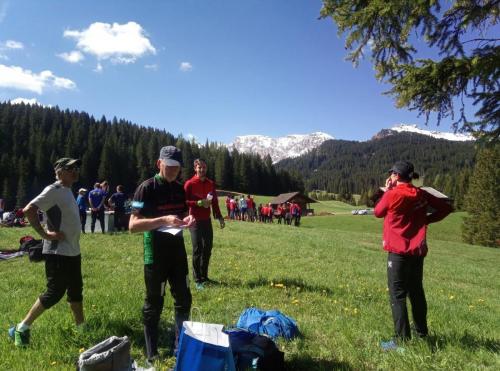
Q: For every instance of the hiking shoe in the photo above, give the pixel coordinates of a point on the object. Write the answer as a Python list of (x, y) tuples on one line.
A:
[(391, 345), (12, 331), (199, 286), (21, 338)]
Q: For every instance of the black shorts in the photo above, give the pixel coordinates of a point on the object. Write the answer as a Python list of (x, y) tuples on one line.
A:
[(64, 275)]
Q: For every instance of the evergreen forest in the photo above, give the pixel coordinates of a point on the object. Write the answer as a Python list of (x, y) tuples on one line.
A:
[(345, 168), (33, 137)]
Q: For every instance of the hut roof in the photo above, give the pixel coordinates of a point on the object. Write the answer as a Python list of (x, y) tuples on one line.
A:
[(287, 197)]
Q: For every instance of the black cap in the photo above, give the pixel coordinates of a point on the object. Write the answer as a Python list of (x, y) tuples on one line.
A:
[(403, 168), (66, 163), (171, 155)]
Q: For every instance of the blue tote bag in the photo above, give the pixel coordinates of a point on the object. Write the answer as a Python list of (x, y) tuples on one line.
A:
[(204, 347)]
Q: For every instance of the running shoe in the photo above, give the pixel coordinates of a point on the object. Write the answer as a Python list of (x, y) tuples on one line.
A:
[(391, 345), (21, 338)]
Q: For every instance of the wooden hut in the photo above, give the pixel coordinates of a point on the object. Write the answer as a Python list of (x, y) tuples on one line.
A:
[(296, 197)]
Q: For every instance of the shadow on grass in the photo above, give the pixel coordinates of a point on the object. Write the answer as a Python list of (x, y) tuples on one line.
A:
[(309, 363), (286, 281), (466, 340)]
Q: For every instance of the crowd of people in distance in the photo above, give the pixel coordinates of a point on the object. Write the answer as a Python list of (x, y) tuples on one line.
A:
[(100, 200), (244, 209)]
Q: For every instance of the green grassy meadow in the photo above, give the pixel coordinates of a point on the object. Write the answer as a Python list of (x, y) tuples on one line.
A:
[(328, 274)]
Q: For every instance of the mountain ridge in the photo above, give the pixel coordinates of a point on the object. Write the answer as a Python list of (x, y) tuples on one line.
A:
[(296, 145), (289, 146)]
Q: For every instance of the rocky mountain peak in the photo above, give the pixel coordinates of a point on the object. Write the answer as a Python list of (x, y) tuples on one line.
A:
[(289, 146)]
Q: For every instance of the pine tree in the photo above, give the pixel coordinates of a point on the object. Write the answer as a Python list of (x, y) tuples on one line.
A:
[(482, 225), (463, 34)]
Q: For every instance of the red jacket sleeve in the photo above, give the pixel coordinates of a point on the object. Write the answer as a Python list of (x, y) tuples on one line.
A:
[(382, 206), (189, 194), (215, 203)]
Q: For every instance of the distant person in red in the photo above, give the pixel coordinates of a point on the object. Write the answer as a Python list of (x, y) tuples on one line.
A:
[(250, 208), (232, 208), (270, 212), (200, 195), (296, 214), (279, 211), (404, 208), (265, 212), (228, 206), (288, 214)]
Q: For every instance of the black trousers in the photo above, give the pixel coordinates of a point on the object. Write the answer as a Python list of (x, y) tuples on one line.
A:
[(83, 219), (404, 278), (202, 236), (99, 214), (64, 275), (120, 222), (171, 267)]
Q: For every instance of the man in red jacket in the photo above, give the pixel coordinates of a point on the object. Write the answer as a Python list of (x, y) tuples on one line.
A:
[(200, 195), (404, 208)]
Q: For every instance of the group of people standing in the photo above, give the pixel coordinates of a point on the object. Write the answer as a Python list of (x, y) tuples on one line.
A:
[(162, 206), (240, 208), (98, 201), (283, 213), (244, 209)]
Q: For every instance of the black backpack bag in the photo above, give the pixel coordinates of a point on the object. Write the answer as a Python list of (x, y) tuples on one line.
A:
[(253, 351), (33, 247)]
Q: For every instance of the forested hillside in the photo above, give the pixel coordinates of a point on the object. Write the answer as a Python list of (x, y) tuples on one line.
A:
[(347, 167), (32, 137)]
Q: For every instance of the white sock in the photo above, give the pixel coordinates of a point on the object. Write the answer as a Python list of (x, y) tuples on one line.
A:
[(22, 327)]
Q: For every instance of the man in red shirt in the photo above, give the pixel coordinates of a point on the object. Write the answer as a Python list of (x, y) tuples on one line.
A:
[(250, 208), (404, 208), (200, 195)]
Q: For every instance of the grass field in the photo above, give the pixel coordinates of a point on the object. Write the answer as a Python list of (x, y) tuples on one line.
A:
[(328, 274)]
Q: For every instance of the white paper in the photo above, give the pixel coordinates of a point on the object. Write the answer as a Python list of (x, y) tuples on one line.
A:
[(172, 230), (210, 333)]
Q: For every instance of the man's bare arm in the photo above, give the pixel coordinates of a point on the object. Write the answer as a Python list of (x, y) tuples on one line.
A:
[(31, 212)]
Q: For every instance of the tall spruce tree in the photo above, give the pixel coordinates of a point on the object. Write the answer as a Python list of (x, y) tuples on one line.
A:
[(482, 225), (463, 33)]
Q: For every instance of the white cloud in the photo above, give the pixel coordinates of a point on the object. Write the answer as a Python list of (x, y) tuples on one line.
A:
[(185, 67), (12, 44), (74, 56), (120, 43), (32, 101), (98, 68), (152, 67), (15, 77)]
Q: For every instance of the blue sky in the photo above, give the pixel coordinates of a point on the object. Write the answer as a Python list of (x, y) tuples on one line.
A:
[(213, 69)]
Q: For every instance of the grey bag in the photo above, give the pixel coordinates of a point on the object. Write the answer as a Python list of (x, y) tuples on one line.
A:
[(110, 354)]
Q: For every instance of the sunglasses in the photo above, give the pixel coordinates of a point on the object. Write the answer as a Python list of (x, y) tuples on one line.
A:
[(72, 168)]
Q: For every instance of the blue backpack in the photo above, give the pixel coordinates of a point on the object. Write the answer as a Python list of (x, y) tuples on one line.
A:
[(272, 323)]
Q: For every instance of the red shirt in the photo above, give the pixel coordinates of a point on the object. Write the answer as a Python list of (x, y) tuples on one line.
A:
[(198, 190), (404, 209), (250, 203)]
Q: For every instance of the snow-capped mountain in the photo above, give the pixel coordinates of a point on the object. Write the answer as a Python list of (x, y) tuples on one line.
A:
[(280, 148), (415, 129)]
